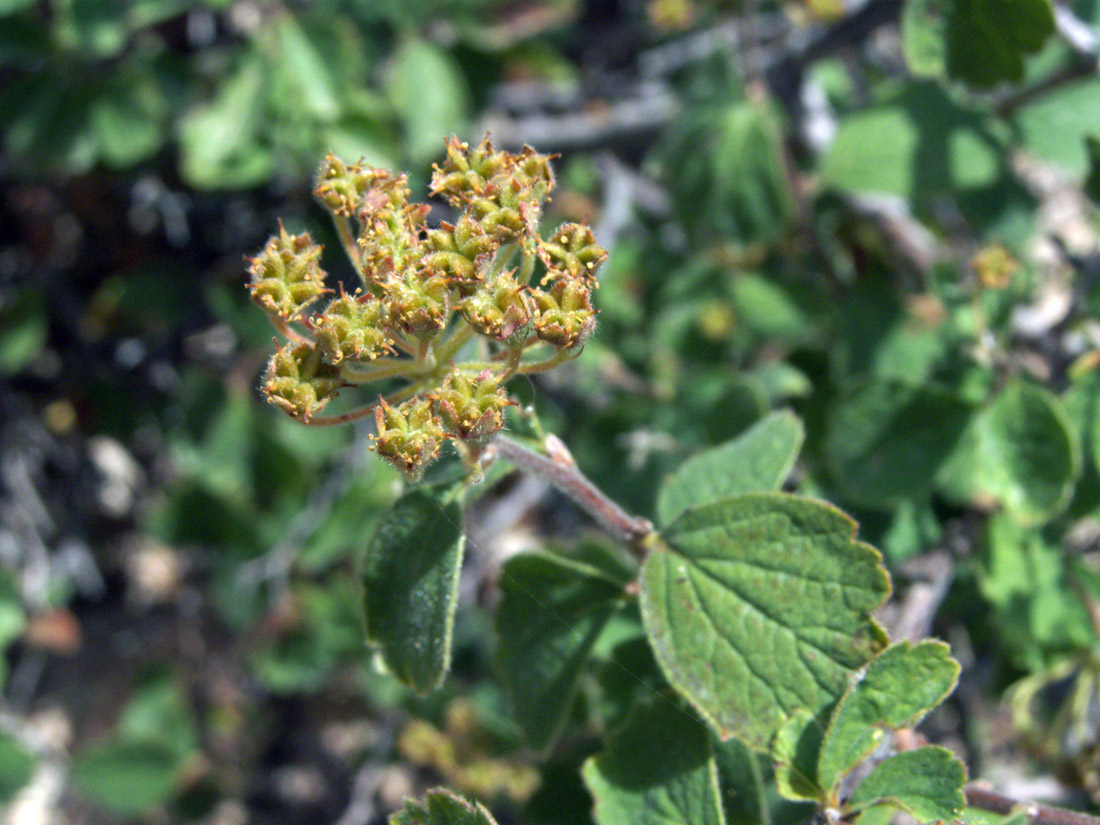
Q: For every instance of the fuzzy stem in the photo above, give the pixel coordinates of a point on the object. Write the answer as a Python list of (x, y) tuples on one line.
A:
[(355, 415), (632, 531), (447, 349), (289, 332), (351, 248), (549, 363), (382, 368), (1038, 814)]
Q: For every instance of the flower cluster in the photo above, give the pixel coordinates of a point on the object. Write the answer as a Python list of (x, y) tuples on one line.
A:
[(487, 288)]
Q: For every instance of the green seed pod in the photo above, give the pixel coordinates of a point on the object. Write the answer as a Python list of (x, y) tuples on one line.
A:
[(341, 188), (352, 326), (565, 316), (470, 405), (572, 252), (409, 435), (418, 304), (299, 382), (286, 276), (501, 310)]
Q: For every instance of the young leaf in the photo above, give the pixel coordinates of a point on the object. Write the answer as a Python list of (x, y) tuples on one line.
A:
[(551, 611), (897, 690), (428, 92), (657, 770), (982, 42), (1022, 451), (128, 777), (759, 459), (795, 751), (748, 787), (926, 783), (886, 440), (442, 807), (759, 606), (1054, 125), (410, 583)]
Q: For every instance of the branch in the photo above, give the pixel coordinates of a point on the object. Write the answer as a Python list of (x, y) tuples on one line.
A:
[(564, 474), (1038, 814)]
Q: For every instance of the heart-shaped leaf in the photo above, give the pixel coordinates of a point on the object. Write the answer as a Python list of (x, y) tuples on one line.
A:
[(658, 769), (758, 460), (410, 585), (759, 606), (551, 611)]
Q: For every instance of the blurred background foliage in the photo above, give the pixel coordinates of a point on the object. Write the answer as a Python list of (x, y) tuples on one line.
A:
[(881, 215)]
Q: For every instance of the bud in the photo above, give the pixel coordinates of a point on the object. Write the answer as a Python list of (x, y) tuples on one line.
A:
[(341, 188), (286, 276), (461, 252), (994, 266), (502, 192), (500, 310), (299, 382), (470, 405), (572, 252), (565, 315), (390, 230), (418, 304), (352, 326), (466, 172), (409, 435)]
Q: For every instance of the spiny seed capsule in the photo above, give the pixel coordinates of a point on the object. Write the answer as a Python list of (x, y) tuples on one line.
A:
[(419, 304), (408, 435), (299, 382), (500, 310), (565, 315), (340, 188), (352, 326), (470, 405), (287, 275), (572, 252)]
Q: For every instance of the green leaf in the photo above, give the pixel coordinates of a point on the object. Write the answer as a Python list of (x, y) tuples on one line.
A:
[(749, 792), (759, 459), (128, 119), (924, 37), (987, 40), (1055, 124), (16, 768), (219, 141), (795, 751), (766, 308), (896, 690), (1021, 451), (724, 164), (1024, 576), (24, 330), (927, 783), (127, 777), (917, 143), (303, 70), (12, 6), (442, 807), (551, 611), (427, 90), (658, 769), (1092, 179), (759, 606), (886, 440), (410, 585)]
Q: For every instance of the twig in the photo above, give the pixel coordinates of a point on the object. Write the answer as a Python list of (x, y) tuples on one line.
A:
[(1039, 814), (563, 474)]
